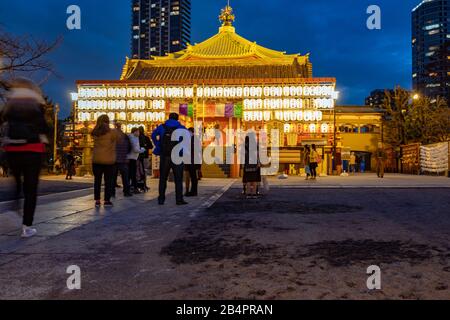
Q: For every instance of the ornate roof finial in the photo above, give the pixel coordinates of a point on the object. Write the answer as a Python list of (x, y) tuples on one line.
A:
[(226, 16)]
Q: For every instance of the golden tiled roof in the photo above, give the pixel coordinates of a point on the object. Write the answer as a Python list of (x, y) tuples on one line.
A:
[(226, 55), (225, 45), (198, 73)]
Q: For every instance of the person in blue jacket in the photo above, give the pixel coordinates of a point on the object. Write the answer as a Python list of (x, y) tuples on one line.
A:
[(162, 139)]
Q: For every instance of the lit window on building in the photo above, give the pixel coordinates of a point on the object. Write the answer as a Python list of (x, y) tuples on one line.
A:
[(431, 27)]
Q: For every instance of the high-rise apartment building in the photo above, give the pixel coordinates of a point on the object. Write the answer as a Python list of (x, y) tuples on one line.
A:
[(430, 43), (377, 98), (159, 27)]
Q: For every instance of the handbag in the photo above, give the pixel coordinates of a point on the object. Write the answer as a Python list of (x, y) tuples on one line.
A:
[(319, 159)]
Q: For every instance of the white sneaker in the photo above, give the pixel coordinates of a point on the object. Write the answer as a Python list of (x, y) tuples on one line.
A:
[(28, 232)]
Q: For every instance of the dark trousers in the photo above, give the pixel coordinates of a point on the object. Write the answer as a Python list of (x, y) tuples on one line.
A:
[(132, 165), (123, 169), (194, 179), (165, 167), (313, 166), (100, 171), (26, 165)]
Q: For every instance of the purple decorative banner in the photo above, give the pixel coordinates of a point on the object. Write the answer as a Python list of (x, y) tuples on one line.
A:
[(229, 110), (184, 109)]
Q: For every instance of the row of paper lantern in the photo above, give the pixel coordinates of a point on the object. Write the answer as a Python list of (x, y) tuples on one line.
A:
[(121, 104), (136, 92), (256, 104), (299, 115), (267, 91), (122, 116), (273, 104), (283, 116), (206, 92), (308, 128)]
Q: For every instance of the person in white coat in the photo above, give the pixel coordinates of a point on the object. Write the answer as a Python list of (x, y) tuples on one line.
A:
[(133, 156)]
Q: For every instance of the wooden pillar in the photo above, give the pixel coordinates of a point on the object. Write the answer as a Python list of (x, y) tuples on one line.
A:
[(235, 166)]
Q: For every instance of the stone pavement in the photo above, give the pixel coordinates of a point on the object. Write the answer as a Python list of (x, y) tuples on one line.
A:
[(48, 185), (365, 181), (304, 240)]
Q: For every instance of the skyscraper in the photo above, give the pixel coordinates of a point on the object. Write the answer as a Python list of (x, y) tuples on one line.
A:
[(377, 98), (430, 43), (159, 27)]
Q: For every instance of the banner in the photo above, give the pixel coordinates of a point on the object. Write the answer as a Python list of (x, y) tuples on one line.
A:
[(229, 110), (183, 109), (210, 110), (191, 110), (238, 111), (220, 110), (173, 108), (434, 158)]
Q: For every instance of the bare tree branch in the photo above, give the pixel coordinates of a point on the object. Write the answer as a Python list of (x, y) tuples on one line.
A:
[(23, 55)]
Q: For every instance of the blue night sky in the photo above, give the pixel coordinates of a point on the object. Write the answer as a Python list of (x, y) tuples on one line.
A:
[(333, 31)]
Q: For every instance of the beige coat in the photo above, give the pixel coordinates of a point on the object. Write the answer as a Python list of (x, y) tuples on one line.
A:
[(105, 148)]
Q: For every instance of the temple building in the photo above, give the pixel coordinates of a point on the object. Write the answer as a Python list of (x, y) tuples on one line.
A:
[(228, 82)]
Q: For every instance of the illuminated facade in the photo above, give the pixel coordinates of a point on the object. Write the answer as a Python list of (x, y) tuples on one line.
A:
[(224, 82)]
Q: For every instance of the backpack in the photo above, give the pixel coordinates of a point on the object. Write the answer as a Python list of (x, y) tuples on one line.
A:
[(167, 145)]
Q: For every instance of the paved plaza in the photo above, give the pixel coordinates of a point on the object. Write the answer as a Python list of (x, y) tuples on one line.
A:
[(301, 240)]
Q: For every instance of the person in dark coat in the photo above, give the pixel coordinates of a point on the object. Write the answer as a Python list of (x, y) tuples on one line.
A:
[(144, 158), (163, 147), (193, 167), (252, 166), (70, 160), (123, 148)]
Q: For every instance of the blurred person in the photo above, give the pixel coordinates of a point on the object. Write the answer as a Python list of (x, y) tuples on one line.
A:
[(381, 159), (187, 179), (314, 161), (57, 166), (306, 161), (70, 160), (133, 157), (162, 139), (25, 144), (104, 159), (252, 166), (352, 163), (4, 163), (123, 148), (144, 158), (192, 169)]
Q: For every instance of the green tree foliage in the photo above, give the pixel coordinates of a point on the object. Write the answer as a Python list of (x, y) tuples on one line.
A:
[(411, 120)]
